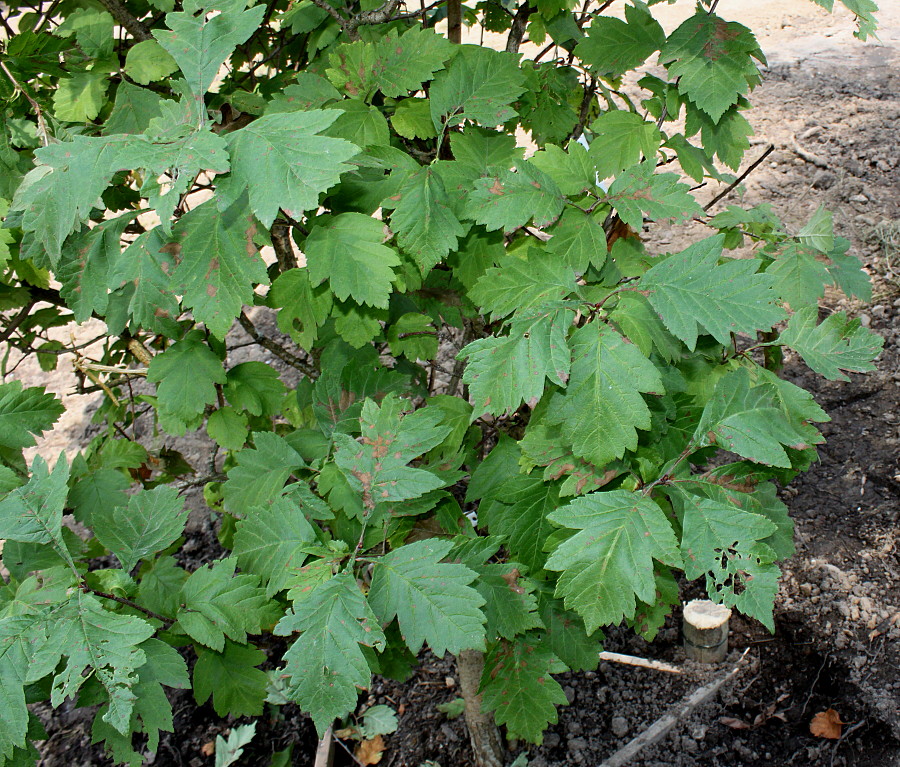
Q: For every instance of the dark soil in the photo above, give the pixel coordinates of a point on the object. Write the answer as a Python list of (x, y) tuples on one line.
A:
[(837, 639)]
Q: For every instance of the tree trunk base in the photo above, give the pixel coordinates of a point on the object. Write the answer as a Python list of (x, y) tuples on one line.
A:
[(483, 732)]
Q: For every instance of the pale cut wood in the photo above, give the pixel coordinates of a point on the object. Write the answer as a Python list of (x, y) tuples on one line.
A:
[(325, 751), (634, 660)]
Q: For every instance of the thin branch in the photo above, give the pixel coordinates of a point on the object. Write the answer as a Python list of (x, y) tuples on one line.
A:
[(585, 110), (122, 601), (331, 12), (279, 351), (42, 125), (281, 242), (350, 26), (16, 321), (740, 178), (136, 28)]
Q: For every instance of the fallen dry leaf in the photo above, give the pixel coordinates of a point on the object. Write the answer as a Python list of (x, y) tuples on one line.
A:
[(370, 751), (208, 748), (734, 724), (826, 724)]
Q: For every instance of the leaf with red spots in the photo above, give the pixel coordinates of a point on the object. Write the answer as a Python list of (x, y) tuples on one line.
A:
[(219, 263), (376, 466), (507, 200), (325, 665), (713, 60), (518, 688)]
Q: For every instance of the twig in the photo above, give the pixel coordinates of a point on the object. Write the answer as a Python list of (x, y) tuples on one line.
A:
[(633, 660), (675, 714), (350, 26), (739, 179), (16, 321), (42, 125), (586, 100), (122, 601), (281, 242), (136, 28), (811, 158), (283, 354), (841, 739)]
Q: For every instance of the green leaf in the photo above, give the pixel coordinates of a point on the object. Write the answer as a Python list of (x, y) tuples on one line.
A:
[(602, 407), (80, 98), (520, 515), (33, 513), (347, 251), (133, 110), (395, 65), (425, 225), (231, 677), (509, 602), (691, 289), (302, 308), (818, 232), (613, 46), (255, 387), (847, 272), (432, 600), (508, 200), (721, 540), (271, 542), (478, 84), (186, 373), (728, 138), (566, 637), (259, 476), (800, 278), (504, 372), (835, 345), (518, 688), (25, 413), (220, 263), (216, 603), (142, 271), (520, 284), (748, 420), (201, 42), (160, 586), (148, 61), (414, 336), (325, 664), (640, 190), (228, 428), (92, 29), (622, 139), (229, 751), (713, 61), (151, 522), (284, 163), (412, 119), (610, 561), (579, 241), (377, 466), (59, 194), (572, 170), (108, 644), (379, 720), (84, 269), (100, 491)]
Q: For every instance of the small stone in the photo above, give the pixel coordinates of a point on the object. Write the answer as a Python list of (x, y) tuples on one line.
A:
[(569, 692), (551, 740), (865, 320), (577, 744), (860, 198), (619, 726)]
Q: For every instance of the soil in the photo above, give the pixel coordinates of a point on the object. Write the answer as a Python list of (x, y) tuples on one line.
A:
[(831, 107)]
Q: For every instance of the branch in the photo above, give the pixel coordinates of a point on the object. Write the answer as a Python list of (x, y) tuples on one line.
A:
[(279, 351), (454, 21), (281, 242), (379, 15), (740, 178), (122, 601), (517, 30), (16, 321), (137, 29)]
